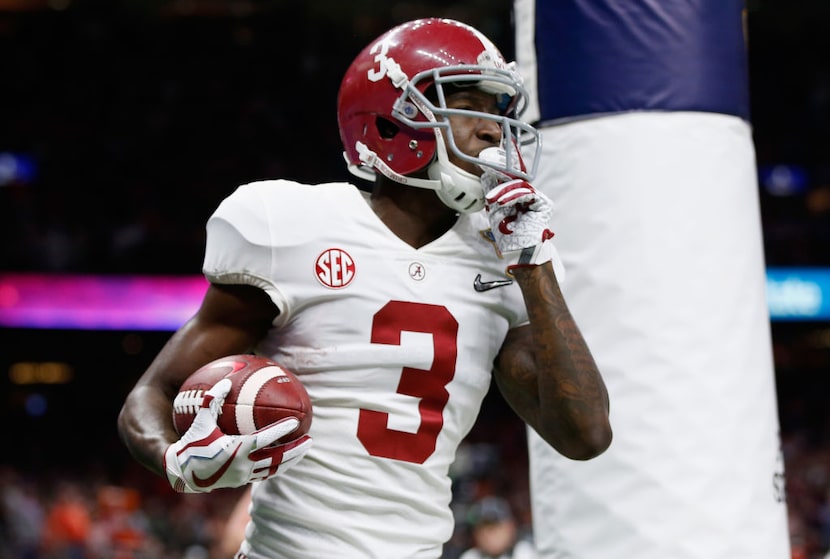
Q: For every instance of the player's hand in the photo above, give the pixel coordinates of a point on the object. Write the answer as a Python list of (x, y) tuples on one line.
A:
[(520, 218), (493, 176), (205, 458)]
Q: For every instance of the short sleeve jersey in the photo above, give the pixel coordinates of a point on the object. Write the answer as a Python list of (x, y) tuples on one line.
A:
[(395, 347)]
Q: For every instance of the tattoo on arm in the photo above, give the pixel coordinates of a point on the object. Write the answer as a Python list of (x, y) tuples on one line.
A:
[(547, 371)]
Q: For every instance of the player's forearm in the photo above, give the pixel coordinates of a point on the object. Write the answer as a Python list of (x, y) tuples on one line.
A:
[(572, 397), (145, 430)]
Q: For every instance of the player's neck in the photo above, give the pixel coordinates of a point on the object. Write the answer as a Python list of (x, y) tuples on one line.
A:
[(415, 215)]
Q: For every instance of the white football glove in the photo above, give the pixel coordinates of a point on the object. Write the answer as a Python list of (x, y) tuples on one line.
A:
[(519, 215), (205, 458), (498, 156)]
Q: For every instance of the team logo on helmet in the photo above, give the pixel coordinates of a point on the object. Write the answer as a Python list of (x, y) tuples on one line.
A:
[(491, 60)]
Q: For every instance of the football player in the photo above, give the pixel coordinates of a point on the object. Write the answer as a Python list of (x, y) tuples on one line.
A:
[(395, 307)]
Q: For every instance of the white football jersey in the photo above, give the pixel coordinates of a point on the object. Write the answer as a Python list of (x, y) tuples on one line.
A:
[(395, 347)]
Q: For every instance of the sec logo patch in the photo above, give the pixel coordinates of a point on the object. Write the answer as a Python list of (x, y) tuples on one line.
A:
[(334, 268)]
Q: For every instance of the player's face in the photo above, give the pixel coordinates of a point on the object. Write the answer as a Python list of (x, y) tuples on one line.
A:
[(473, 134)]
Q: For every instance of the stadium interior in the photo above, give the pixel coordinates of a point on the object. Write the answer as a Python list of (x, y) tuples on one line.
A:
[(123, 124)]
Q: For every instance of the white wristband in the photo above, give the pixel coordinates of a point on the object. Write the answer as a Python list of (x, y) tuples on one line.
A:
[(530, 256), (533, 256)]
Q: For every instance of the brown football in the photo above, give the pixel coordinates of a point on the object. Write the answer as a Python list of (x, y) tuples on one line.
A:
[(262, 392)]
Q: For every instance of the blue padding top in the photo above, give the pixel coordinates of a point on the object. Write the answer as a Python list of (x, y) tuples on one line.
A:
[(608, 56)]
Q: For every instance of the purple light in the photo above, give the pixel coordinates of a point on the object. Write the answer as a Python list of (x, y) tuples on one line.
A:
[(99, 302)]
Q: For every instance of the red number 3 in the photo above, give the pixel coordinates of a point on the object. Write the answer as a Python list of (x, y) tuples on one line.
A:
[(428, 385)]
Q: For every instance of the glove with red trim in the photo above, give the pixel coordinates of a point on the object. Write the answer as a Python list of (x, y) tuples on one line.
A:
[(205, 458), (519, 215)]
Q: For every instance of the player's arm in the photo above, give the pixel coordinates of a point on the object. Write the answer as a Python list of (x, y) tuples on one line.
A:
[(231, 319), (547, 374), (545, 369)]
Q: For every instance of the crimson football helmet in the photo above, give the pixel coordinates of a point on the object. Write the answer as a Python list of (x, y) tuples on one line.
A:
[(393, 116)]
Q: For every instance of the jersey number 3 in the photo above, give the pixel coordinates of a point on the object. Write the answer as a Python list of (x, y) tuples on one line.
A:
[(428, 385)]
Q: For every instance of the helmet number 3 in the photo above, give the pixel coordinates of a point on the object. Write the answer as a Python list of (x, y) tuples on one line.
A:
[(429, 386), (379, 49)]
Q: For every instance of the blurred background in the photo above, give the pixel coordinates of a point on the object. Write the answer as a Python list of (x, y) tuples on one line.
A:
[(124, 123)]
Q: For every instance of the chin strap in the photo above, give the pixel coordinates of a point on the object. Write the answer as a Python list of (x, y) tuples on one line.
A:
[(370, 159), (460, 189), (455, 187)]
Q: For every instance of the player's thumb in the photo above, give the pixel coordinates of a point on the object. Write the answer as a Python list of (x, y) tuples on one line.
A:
[(207, 416), (215, 397), (274, 432)]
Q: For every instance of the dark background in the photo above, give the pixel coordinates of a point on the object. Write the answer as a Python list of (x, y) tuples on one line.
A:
[(140, 116)]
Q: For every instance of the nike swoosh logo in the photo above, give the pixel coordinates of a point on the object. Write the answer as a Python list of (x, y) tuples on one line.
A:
[(482, 286), (210, 480)]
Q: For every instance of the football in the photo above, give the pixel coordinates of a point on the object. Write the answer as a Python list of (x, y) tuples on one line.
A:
[(262, 392)]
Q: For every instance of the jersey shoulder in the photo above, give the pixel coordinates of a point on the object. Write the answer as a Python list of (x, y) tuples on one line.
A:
[(288, 197), (260, 211), (253, 224)]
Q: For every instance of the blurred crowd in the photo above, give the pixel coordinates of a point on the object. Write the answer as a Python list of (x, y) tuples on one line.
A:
[(88, 512), (83, 516), (117, 510), (808, 496)]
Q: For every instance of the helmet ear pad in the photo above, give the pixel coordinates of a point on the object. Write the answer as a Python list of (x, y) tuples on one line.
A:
[(406, 150)]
